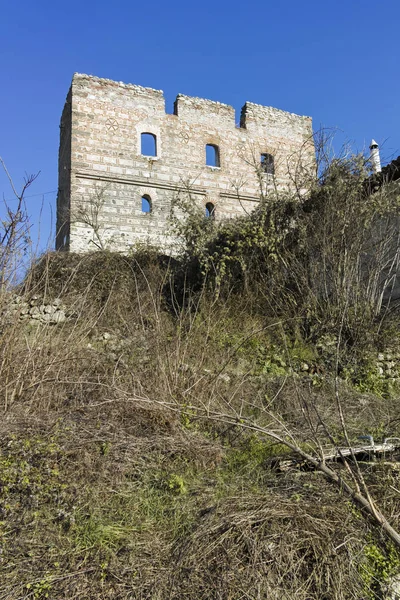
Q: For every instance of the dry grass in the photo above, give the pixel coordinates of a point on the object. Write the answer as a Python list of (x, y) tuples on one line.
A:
[(267, 546), (115, 484)]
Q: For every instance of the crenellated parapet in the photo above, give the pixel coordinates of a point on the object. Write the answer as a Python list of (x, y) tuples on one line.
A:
[(200, 110), (278, 123)]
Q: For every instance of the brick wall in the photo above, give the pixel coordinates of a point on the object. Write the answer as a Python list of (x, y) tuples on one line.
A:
[(103, 175)]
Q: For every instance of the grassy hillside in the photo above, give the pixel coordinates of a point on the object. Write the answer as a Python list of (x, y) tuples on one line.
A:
[(127, 469)]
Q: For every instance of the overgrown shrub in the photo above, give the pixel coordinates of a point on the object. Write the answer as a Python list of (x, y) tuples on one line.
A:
[(325, 261)]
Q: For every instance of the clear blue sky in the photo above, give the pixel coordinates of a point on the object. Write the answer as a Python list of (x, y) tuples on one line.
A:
[(335, 61)]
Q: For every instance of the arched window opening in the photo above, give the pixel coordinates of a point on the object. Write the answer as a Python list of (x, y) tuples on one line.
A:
[(212, 155), (210, 210), (148, 144), (267, 164), (146, 204)]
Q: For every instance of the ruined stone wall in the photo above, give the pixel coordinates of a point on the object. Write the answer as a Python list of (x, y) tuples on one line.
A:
[(64, 177), (105, 175)]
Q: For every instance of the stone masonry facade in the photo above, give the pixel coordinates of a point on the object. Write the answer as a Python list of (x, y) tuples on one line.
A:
[(114, 192)]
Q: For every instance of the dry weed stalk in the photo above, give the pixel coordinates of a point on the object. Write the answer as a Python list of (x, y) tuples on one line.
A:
[(14, 231)]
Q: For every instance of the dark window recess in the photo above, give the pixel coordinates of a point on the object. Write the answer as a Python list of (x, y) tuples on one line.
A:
[(148, 144), (146, 204), (210, 210), (267, 164), (212, 155)]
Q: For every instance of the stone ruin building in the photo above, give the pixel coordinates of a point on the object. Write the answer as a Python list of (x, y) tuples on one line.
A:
[(123, 160)]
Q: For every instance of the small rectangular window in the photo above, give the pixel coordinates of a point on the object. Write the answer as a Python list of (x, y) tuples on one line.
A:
[(212, 155), (210, 210), (148, 144), (146, 204), (267, 164)]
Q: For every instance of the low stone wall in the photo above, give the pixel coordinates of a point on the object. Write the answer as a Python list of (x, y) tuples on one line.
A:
[(388, 364), (37, 309)]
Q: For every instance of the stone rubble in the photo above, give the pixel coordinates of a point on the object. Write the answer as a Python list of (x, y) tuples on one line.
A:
[(37, 310), (388, 365)]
